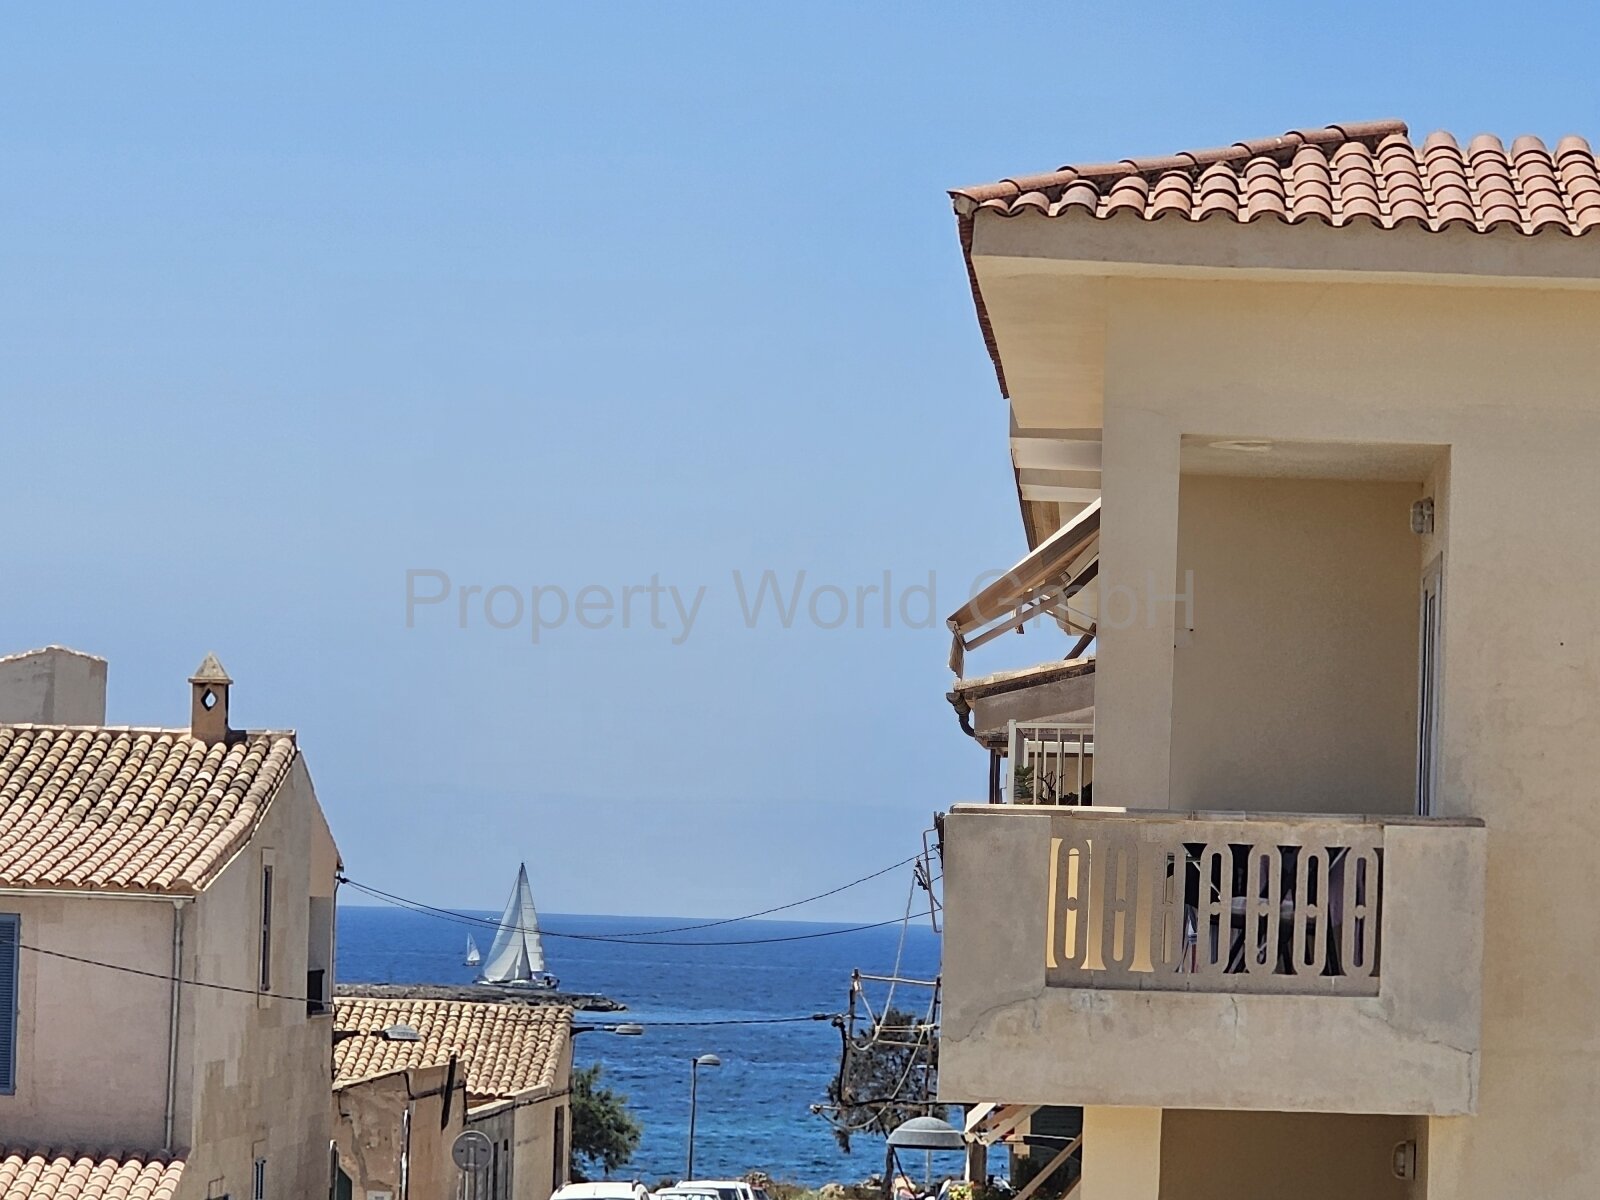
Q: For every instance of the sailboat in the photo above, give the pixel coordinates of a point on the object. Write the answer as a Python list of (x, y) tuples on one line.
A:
[(517, 956), (473, 957)]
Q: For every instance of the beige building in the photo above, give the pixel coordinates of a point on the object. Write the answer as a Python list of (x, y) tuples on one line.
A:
[(131, 858), (1304, 432), (394, 1132), (412, 1074)]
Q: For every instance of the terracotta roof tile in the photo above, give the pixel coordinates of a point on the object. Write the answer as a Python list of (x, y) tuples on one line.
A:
[(1364, 173), (129, 809), (71, 1175), (505, 1048)]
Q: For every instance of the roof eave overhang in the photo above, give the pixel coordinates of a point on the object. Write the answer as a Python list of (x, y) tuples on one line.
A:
[(1174, 247), (1131, 246), (64, 891)]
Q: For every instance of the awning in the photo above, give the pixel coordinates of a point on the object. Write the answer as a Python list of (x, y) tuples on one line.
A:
[(1059, 691), (989, 1124), (1046, 581)]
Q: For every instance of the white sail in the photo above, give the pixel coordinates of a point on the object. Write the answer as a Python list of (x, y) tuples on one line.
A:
[(517, 954), (473, 957)]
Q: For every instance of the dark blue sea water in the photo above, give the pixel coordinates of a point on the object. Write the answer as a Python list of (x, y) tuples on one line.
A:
[(753, 1111)]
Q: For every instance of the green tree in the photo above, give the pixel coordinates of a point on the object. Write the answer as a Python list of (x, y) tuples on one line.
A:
[(888, 1076), (604, 1133)]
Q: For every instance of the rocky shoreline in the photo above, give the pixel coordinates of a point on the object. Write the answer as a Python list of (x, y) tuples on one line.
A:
[(480, 992)]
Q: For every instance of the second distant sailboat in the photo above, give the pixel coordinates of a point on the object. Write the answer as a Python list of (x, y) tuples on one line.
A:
[(517, 956)]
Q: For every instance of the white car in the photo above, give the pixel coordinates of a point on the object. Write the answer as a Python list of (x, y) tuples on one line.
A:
[(612, 1189), (725, 1189)]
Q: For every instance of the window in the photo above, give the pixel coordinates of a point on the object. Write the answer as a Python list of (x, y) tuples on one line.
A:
[(10, 955), (559, 1157), (258, 1180), (1428, 690), (319, 955), (265, 984)]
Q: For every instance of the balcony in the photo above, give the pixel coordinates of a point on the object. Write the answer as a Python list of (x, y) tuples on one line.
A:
[(1052, 762), (317, 1004), (1194, 960)]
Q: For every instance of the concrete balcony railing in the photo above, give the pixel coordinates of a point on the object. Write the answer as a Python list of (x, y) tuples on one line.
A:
[(1215, 905), (1189, 960)]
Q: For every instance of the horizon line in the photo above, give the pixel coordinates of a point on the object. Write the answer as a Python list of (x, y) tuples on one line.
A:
[(494, 914)]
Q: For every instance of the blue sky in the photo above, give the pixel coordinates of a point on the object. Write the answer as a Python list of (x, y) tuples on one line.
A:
[(297, 300)]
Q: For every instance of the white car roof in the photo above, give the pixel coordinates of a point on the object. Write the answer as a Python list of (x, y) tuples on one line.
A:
[(598, 1191)]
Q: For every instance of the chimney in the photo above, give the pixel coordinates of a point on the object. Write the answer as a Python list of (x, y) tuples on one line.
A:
[(208, 712)]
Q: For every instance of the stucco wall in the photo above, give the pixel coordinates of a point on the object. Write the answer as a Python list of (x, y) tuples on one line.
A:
[(1296, 688), (53, 686), (256, 1070), (1505, 377), (536, 1149), (1265, 1156), (370, 1128), (1507, 380), (91, 1043), (1122, 1153), (1411, 1049)]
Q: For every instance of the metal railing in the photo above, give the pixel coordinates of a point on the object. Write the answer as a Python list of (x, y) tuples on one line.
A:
[(1047, 763)]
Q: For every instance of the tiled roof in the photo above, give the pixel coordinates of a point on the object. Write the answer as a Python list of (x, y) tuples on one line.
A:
[(1365, 173), (129, 809), (505, 1049), (70, 1175)]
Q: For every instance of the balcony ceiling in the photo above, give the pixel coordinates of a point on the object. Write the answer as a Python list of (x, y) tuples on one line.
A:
[(1238, 454)]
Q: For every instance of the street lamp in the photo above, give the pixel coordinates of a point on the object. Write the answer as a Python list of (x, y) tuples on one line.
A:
[(705, 1060), (928, 1133)]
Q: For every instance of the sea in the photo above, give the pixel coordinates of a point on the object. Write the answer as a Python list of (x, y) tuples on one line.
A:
[(754, 1110)]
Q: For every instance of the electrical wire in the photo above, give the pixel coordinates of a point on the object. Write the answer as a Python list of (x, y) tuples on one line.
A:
[(765, 912), (874, 1108), (899, 952), (245, 991), (616, 940), (487, 922), (194, 983), (730, 1021)]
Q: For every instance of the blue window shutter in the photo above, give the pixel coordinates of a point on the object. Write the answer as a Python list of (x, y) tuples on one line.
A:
[(10, 952)]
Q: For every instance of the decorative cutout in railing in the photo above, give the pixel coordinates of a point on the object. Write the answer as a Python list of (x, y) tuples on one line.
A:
[(1198, 904)]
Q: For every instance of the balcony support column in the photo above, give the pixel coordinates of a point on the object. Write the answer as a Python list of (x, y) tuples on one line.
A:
[(1138, 566), (1121, 1153)]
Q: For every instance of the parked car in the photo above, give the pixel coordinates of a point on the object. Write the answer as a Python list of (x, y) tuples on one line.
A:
[(609, 1189), (725, 1189)]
